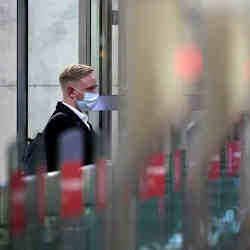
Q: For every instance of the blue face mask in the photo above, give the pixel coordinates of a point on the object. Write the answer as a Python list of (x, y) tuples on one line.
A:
[(88, 101)]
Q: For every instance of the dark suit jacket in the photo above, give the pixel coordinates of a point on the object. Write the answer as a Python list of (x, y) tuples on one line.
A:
[(57, 126)]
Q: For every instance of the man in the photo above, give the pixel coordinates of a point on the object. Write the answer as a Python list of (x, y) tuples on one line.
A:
[(79, 88)]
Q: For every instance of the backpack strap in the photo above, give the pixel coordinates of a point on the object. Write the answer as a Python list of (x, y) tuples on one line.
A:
[(55, 115), (29, 140)]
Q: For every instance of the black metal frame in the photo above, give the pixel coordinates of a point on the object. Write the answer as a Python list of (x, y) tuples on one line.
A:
[(105, 118), (85, 31), (106, 47), (22, 76)]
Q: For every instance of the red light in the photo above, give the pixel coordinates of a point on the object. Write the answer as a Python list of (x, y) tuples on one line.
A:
[(188, 63)]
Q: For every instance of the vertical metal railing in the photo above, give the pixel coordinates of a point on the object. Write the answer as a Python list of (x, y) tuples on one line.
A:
[(105, 117), (105, 120), (22, 76), (84, 32)]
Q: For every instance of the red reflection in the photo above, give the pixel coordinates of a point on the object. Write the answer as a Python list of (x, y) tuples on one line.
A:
[(17, 200), (246, 69), (101, 184), (188, 63), (152, 179), (214, 172), (72, 186), (234, 158), (41, 172)]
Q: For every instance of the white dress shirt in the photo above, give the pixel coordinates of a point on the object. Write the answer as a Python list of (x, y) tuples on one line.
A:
[(83, 116)]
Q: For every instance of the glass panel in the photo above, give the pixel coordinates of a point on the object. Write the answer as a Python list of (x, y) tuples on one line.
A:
[(8, 97), (53, 43), (8, 93)]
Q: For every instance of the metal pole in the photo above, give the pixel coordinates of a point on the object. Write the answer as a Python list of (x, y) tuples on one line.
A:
[(84, 32), (106, 47), (22, 76), (105, 118), (106, 66)]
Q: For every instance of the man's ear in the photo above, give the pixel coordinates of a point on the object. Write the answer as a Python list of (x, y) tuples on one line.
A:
[(71, 92)]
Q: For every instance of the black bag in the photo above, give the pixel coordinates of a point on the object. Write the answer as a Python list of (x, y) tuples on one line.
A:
[(34, 153)]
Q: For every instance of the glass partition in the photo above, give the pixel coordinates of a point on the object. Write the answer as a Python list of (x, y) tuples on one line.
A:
[(53, 43), (8, 79), (8, 103)]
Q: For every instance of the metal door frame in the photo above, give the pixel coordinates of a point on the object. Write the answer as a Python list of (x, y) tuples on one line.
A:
[(22, 63), (85, 31), (22, 77), (105, 118)]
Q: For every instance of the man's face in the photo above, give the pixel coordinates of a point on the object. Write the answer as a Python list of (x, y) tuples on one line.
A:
[(87, 84)]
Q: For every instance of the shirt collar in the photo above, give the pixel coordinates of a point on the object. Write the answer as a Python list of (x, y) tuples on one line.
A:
[(83, 116)]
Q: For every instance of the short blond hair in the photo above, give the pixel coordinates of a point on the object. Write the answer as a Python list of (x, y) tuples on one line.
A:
[(73, 73)]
